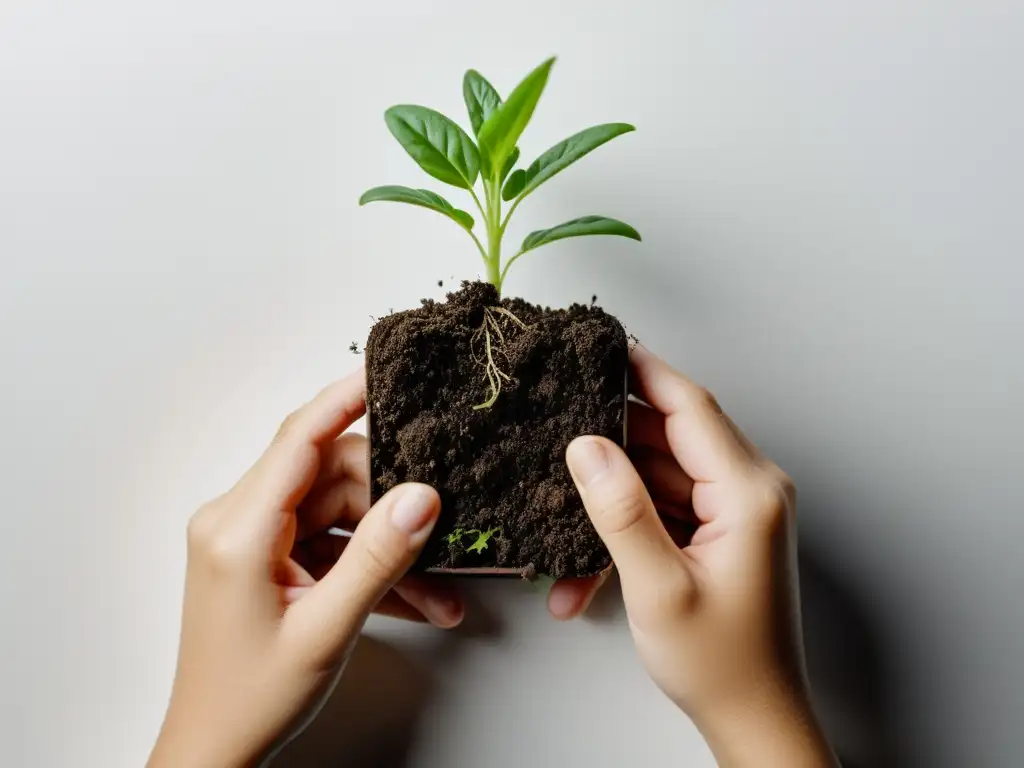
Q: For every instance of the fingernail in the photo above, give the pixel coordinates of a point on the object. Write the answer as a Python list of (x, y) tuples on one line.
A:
[(563, 604), (414, 510), (443, 612), (588, 460)]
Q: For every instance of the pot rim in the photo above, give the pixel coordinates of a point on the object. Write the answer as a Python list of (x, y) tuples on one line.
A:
[(478, 571)]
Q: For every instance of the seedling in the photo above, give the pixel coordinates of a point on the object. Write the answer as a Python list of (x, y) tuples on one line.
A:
[(455, 537), (545, 376), (479, 544), (446, 152), (482, 537)]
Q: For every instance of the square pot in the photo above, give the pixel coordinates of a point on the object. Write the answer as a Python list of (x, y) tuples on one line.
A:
[(509, 506)]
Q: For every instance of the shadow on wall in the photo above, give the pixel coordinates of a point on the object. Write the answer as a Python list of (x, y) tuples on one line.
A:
[(850, 673), (371, 718)]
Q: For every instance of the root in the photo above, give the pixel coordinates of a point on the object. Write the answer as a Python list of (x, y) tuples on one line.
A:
[(493, 345)]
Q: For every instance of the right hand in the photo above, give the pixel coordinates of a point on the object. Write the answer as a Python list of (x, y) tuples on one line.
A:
[(716, 622)]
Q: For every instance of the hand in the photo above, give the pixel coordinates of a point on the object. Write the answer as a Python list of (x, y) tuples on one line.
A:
[(262, 638), (716, 622)]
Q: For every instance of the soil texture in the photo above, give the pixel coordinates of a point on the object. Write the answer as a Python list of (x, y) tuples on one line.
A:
[(507, 498)]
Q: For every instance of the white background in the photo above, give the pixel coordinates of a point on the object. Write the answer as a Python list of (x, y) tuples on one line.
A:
[(830, 196)]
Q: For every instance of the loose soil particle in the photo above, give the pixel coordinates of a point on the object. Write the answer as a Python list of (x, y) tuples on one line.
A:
[(502, 467)]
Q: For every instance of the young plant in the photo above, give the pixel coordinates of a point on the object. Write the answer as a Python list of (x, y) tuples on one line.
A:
[(446, 152), (479, 543), (482, 537), (455, 537)]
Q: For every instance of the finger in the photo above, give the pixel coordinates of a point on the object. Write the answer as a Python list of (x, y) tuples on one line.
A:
[(345, 504), (663, 476), (334, 409), (391, 605), (698, 433), (382, 549), (319, 552), (569, 598), (433, 596), (621, 509), (436, 598), (343, 459), (748, 446), (646, 428), (290, 573), (681, 530), (432, 599), (286, 471), (668, 510)]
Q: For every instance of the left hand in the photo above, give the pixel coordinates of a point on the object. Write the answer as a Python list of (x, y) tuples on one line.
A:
[(262, 638)]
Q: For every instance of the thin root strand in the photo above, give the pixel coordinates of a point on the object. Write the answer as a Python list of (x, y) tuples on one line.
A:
[(495, 376)]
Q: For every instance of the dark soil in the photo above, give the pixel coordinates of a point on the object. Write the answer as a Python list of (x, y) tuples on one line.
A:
[(500, 469)]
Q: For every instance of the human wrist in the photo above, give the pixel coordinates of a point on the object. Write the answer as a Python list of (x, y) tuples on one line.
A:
[(174, 748), (774, 725)]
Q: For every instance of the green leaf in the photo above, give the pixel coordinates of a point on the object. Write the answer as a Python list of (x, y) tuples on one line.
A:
[(481, 540), (499, 135), (438, 144), (482, 100), (514, 185), (582, 227), (455, 536), (421, 197), (510, 163), (565, 153)]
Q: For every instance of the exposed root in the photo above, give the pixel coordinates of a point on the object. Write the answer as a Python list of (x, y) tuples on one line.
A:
[(493, 337)]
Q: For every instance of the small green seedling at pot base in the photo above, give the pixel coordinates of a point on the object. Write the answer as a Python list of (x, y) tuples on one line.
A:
[(478, 395), (482, 537), (486, 170), (479, 543), (455, 537)]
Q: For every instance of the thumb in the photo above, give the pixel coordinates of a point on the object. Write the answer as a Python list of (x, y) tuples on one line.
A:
[(384, 546), (622, 512)]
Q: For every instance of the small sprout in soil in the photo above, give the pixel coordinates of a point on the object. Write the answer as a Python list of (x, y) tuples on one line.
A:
[(455, 536), (489, 158), (481, 539)]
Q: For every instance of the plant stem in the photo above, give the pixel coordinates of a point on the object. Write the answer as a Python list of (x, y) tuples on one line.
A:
[(494, 233)]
